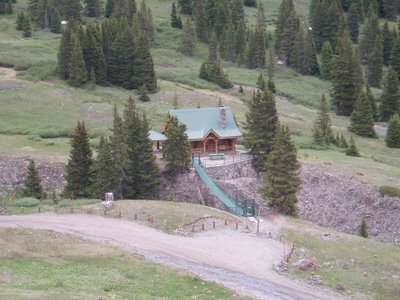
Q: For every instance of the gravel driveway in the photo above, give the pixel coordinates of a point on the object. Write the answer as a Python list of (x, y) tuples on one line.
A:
[(237, 260)]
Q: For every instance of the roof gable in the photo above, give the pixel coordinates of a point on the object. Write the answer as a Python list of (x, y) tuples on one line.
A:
[(200, 121)]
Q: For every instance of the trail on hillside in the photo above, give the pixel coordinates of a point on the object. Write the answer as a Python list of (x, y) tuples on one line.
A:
[(239, 261), (7, 73)]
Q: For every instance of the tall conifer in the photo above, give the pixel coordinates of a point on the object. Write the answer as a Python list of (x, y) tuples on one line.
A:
[(326, 61), (375, 64), (76, 68), (103, 171), (393, 132), (188, 39), (281, 179), (261, 122), (361, 119), (322, 130), (79, 167), (32, 182), (390, 99)]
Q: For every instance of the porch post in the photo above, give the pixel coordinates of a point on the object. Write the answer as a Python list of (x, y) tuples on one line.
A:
[(204, 146), (216, 146)]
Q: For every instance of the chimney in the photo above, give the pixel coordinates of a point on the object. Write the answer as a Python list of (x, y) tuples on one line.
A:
[(222, 116)]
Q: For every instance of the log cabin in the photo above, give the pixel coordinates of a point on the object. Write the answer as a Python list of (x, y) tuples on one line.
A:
[(209, 130)]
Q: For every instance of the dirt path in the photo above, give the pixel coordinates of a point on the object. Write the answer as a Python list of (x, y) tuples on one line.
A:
[(239, 261), (7, 73)]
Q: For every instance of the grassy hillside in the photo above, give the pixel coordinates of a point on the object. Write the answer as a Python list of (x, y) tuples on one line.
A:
[(37, 115), (42, 265), (367, 268)]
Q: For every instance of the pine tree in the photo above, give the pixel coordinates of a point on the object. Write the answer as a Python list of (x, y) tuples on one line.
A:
[(185, 6), (353, 22), (393, 132), (281, 180), (390, 99), (27, 30), (55, 26), (94, 55), (261, 122), (79, 167), (387, 43), (375, 64), (2, 7), (352, 148), (143, 67), (203, 73), (9, 7), (188, 39), (64, 52), (109, 8), (120, 62), (325, 18), (326, 61), (308, 64), (216, 74), (176, 149), (261, 84), (76, 69), (337, 140), (361, 120), (120, 158), (343, 143), (176, 21), (271, 73), (32, 182), (228, 43), (369, 35), (394, 59), (345, 77), (20, 21), (103, 171), (93, 8), (322, 130), (147, 173), (200, 20), (145, 21), (144, 97), (372, 102), (364, 229), (389, 9), (73, 9), (143, 169), (213, 48), (221, 17)]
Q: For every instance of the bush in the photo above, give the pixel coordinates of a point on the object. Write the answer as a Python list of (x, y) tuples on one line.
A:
[(390, 191), (26, 202)]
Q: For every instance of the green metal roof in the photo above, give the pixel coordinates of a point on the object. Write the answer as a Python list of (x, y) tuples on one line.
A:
[(200, 121)]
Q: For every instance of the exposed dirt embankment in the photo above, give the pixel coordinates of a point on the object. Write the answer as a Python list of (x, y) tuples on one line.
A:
[(327, 197), (13, 170)]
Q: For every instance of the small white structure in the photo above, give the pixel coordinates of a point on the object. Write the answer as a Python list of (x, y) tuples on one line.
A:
[(108, 201)]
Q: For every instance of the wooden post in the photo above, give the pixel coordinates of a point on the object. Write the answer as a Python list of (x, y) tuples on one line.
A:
[(72, 203), (237, 225), (193, 228), (226, 222), (135, 217), (120, 214), (22, 210), (258, 225), (202, 227), (214, 224), (39, 209), (55, 209), (104, 212)]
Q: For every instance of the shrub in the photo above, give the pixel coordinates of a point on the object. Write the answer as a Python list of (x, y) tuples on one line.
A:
[(390, 191), (26, 202)]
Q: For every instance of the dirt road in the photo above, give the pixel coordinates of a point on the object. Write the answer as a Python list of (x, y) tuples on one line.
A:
[(236, 260)]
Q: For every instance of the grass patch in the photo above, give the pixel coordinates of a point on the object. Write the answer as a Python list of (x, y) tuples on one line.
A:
[(166, 215), (49, 265), (390, 191), (364, 266)]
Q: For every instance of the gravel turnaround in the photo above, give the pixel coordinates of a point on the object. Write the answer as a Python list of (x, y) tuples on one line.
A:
[(236, 260)]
